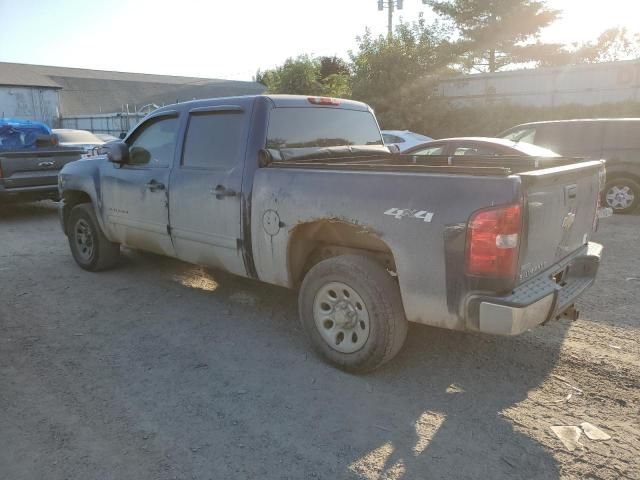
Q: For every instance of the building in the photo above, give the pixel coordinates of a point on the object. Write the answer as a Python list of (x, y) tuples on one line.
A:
[(98, 100), (586, 84)]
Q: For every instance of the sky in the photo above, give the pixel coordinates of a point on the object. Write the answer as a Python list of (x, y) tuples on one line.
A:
[(229, 38)]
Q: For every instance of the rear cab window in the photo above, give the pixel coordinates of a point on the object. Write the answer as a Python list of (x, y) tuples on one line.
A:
[(320, 127)]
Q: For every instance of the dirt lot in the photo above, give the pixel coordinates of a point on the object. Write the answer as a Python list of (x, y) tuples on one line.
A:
[(160, 370)]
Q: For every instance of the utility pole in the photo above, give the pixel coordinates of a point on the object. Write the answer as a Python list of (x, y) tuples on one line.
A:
[(390, 5)]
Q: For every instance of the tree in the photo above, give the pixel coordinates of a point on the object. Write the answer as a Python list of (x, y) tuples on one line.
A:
[(497, 33), (612, 45), (308, 75), (397, 75)]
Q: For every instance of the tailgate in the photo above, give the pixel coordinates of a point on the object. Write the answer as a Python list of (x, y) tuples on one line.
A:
[(561, 206), (35, 167)]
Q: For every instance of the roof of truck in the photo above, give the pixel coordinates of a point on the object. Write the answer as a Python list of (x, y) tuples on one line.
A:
[(276, 100)]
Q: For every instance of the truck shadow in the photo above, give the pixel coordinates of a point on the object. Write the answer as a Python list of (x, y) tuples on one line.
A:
[(439, 410), (451, 412)]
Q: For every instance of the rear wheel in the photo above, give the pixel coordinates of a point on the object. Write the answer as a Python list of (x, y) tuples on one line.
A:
[(352, 311), (90, 248), (622, 195)]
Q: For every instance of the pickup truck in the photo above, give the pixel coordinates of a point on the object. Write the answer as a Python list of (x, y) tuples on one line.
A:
[(30, 160), (301, 192)]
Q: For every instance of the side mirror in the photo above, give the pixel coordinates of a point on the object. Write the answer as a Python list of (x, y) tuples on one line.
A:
[(122, 135), (117, 152), (139, 156)]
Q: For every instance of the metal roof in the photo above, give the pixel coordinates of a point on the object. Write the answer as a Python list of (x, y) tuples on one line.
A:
[(18, 74), (86, 92)]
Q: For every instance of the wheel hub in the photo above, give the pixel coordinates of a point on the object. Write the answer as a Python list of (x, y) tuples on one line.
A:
[(84, 239), (620, 196), (341, 317)]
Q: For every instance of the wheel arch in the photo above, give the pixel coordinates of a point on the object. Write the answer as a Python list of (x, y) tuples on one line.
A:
[(71, 198), (314, 241)]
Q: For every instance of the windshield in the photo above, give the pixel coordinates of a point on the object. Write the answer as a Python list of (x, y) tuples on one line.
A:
[(306, 127)]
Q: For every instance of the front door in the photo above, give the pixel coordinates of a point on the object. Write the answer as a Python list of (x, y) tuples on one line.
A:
[(205, 207), (135, 195)]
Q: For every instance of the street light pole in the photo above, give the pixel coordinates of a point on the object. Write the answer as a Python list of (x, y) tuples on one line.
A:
[(390, 5)]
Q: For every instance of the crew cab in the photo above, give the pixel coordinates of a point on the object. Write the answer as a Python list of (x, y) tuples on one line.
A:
[(301, 192), (30, 159)]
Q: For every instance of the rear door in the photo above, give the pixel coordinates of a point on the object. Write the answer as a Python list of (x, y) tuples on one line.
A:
[(560, 206), (135, 195), (205, 201)]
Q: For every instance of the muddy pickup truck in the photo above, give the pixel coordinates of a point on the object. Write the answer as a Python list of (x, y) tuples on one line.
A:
[(30, 160), (301, 192)]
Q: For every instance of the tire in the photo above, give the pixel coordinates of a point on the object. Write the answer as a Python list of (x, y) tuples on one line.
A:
[(621, 194), (360, 331), (91, 250)]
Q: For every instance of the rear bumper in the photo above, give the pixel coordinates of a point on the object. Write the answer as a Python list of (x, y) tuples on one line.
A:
[(26, 194), (538, 300)]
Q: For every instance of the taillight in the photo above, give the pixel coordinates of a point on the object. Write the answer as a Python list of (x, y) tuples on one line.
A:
[(493, 242), (323, 101)]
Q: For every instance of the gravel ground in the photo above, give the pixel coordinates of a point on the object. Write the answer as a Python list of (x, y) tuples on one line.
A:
[(161, 370)]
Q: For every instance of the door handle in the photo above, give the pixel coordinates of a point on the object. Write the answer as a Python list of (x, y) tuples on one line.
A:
[(46, 164), (154, 185), (221, 191)]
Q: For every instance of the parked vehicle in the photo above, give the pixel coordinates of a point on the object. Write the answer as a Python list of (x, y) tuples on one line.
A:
[(105, 137), (301, 192), (403, 139), (30, 159), (617, 140), (83, 139), (480, 146)]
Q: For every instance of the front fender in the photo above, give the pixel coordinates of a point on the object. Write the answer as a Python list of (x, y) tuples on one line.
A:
[(79, 182)]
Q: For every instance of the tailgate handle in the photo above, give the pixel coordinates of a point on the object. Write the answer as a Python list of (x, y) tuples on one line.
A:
[(570, 192), (46, 164)]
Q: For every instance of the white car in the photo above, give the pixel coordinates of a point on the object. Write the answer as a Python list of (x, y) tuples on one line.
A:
[(404, 139), (68, 137)]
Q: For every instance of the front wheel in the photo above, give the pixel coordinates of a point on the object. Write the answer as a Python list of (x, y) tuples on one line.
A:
[(352, 311), (622, 195), (90, 248)]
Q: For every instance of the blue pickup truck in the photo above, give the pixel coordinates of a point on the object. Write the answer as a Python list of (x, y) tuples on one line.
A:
[(30, 159), (301, 192)]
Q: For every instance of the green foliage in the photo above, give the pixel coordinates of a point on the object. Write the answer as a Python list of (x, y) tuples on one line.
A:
[(612, 45), (497, 33), (397, 75), (308, 75)]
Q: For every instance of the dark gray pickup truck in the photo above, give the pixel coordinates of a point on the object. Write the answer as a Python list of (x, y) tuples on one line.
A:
[(30, 160), (301, 192)]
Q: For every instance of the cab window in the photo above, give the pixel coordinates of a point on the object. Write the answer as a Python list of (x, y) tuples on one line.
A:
[(388, 138), (153, 144), (214, 141), (527, 135)]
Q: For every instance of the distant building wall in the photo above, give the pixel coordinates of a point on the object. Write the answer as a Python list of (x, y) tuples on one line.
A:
[(30, 103), (589, 84)]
